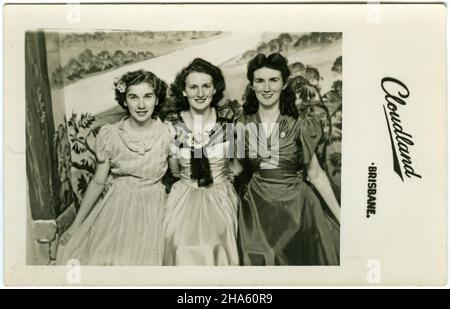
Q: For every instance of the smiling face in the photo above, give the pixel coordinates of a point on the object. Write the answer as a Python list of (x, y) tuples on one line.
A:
[(199, 90), (268, 84), (141, 101)]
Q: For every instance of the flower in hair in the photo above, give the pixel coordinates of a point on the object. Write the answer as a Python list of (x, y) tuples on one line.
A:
[(121, 86)]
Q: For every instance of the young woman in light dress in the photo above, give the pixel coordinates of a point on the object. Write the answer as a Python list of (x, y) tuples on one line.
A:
[(200, 219), (124, 227)]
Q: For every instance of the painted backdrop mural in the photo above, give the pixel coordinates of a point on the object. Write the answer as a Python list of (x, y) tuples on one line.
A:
[(82, 66)]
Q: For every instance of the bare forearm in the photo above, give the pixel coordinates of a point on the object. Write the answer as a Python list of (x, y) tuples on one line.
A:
[(93, 191), (90, 197), (322, 184), (174, 167)]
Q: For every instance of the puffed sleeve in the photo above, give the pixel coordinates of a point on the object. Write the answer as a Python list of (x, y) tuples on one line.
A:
[(310, 134), (103, 144)]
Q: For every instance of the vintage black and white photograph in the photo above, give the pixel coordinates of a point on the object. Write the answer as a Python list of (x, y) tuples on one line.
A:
[(209, 145), (191, 148)]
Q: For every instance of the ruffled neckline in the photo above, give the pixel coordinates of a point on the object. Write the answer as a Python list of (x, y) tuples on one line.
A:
[(208, 133), (140, 144)]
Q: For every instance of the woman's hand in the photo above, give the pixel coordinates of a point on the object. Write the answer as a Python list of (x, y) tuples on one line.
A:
[(320, 180), (337, 215), (231, 175), (94, 190), (235, 169), (67, 234)]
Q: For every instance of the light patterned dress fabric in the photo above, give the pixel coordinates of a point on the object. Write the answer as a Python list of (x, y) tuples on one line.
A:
[(200, 223), (124, 227)]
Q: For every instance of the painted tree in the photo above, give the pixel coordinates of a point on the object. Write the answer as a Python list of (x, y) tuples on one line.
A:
[(337, 65), (61, 146), (140, 55), (130, 56), (335, 94), (263, 48), (310, 100), (85, 56), (57, 79), (315, 37), (274, 46), (118, 58), (302, 41), (285, 41), (104, 55), (297, 69), (248, 55), (82, 136), (73, 69)]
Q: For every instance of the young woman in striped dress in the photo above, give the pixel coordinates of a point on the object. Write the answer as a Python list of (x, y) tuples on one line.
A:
[(124, 227)]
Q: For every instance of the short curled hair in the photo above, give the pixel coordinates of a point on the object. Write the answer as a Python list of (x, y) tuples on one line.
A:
[(139, 77), (277, 62), (201, 66)]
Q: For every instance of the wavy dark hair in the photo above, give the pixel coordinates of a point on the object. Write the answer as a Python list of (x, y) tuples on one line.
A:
[(277, 62), (139, 77), (202, 66)]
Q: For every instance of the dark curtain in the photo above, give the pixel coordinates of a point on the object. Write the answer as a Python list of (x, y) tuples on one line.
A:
[(41, 169)]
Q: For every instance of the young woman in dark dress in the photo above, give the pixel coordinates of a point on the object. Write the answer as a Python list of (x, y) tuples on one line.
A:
[(281, 219)]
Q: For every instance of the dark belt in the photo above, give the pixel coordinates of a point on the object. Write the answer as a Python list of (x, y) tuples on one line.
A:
[(277, 173)]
